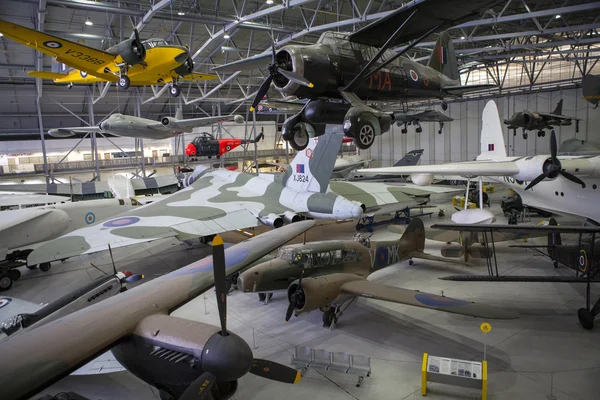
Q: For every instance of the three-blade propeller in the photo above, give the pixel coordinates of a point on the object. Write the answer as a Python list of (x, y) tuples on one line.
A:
[(236, 357), (277, 68), (552, 167)]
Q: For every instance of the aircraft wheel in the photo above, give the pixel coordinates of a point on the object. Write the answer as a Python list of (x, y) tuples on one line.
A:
[(555, 263), (174, 90), (525, 136), (299, 140), (6, 282), (411, 262), (586, 319), (124, 82), (329, 317), (419, 129), (218, 157), (440, 132), (365, 135), (444, 105), (404, 131), (539, 134), (209, 157), (45, 266), (34, 266), (14, 274)]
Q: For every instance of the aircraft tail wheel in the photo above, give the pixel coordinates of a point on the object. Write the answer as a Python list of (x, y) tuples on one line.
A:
[(6, 282), (586, 319), (174, 90), (123, 82), (365, 135), (299, 140), (32, 266), (45, 266), (14, 274), (419, 129), (329, 317)]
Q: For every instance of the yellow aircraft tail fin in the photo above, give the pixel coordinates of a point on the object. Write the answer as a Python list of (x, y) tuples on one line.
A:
[(46, 75)]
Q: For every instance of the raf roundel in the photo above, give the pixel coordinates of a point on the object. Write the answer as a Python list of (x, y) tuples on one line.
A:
[(4, 301), (582, 261), (53, 44), (382, 256), (414, 76), (121, 222), (90, 218), (309, 153)]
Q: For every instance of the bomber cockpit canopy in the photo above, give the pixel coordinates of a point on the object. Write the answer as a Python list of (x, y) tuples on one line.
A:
[(308, 259)]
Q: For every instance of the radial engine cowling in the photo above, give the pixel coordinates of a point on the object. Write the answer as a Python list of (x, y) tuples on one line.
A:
[(421, 179), (132, 51), (317, 292), (272, 220)]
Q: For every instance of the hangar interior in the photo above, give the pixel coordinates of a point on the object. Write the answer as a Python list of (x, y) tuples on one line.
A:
[(524, 56)]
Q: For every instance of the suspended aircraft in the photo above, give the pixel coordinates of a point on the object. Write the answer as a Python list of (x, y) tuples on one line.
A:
[(206, 145), (342, 69), (130, 126), (590, 87), (183, 359), (557, 184), (329, 275), (538, 121), (131, 62)]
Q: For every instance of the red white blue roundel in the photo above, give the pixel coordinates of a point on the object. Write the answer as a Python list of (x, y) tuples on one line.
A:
[(121, 222), (90, 218), (414, 76), (582, 261), (4, 301)]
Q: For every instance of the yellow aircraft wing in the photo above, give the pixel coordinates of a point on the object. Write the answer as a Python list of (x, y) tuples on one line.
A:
[(73, 54), (198, 77)]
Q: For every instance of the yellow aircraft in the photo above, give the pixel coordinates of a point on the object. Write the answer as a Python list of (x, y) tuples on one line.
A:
[(130, 63)]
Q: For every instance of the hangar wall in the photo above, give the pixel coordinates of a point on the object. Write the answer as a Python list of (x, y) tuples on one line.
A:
[(460, 138)]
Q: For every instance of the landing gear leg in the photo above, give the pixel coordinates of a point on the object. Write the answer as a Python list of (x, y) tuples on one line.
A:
[(123, 82), (441, 127), (333, 314), (404, 130)]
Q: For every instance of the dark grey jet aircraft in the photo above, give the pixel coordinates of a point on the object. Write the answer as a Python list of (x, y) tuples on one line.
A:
[(537, 121)]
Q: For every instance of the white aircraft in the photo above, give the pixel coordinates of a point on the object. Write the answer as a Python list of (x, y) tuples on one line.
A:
[(547, 182)]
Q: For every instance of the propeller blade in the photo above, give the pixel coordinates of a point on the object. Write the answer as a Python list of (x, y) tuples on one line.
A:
[(200, 388), (294, 77), (220, 280), (274, 371), (571, 177), (264, 88), (137, 35), (290, 310), (133, 278), (272, 48), (112, 259), (536, 181), (553, 146)]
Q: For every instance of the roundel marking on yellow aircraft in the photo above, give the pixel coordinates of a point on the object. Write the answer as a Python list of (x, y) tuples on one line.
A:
[(53, 44), (485, 327)]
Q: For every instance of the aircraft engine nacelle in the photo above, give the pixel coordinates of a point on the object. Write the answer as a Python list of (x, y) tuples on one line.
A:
[(169, 122), (421, 179), (531, 168), (291, 217), (132, 51), (272, 220), (317, 292)]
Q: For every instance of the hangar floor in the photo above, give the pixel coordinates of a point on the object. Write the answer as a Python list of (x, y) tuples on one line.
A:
[(545, 354)]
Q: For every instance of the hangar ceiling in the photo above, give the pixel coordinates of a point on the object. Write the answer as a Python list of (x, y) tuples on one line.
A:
[(519, 45)]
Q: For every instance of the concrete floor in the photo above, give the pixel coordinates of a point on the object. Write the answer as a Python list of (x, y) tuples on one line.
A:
[(545, 352)]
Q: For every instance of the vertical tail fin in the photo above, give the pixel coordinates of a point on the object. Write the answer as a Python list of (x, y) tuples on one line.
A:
[(492, 137), (411, 158), (558, 109), (312, 167), (414, 235), (443, 58), (178, 114)]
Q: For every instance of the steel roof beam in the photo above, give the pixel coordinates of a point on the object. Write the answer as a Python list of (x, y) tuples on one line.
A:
[(149, 14)]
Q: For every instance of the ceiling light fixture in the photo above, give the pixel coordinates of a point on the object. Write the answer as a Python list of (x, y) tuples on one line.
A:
[(462, 38), (1, 34), (557, 16), (226, 35), (88, 22), (269, 2), (180, 13)]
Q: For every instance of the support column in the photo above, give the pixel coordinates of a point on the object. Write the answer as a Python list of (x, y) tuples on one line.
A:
[(94, 147), (41, 126), (140, 142)]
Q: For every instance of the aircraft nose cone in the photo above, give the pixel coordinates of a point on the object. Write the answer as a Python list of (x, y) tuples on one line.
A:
[(356, 211), (190, 150), (227, 357)]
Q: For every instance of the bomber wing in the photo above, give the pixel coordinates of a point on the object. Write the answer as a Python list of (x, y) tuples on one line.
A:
[(30, 364), (197, 122), (430, 14), (76, 55), (66, 132), (416, 298), (459, 90), (469, 168)]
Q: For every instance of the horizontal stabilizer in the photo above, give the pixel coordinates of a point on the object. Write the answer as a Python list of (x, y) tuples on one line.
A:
[(46, 75), (460, 90), (516, 278)]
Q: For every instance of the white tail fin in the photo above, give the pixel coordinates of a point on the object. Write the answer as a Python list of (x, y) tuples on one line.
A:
[(492, 137), (178, 114), (311, 169)]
